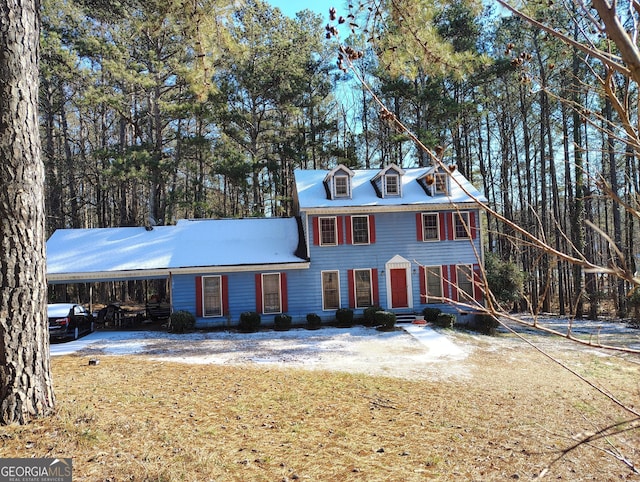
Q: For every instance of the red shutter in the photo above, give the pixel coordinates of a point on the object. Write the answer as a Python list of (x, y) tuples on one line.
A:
[(258, 293), (372, 229), (374, 286), (477, 283), (419, 232), (347, 220), (450, 226), (423, 284), (453, 278), (472, 224), (316, 231), (198, 296), (445, 281), (352, 288), (340, 229), (225, 295), (442, 226), (283, 292)]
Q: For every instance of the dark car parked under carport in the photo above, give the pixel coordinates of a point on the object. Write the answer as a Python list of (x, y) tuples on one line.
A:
[(68, 321)]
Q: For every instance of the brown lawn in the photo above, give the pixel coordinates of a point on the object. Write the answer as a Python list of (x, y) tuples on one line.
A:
[(513, 416)]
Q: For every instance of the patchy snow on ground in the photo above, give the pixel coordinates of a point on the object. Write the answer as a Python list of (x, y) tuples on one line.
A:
[(414, 351), (411, 351)]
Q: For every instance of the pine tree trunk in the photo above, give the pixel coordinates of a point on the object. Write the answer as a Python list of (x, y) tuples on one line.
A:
[(26, 389)]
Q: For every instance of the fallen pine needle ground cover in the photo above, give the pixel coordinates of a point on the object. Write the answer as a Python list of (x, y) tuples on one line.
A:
[(515, 417)]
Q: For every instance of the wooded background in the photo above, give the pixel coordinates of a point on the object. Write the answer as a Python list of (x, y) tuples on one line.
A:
[(161, 110)]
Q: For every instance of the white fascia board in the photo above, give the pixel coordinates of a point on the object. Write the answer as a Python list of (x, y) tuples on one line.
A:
[(59, 278), (391, 209)]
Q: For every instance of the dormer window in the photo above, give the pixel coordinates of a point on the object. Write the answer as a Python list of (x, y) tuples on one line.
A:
[(435, 182), (391, 185), (441, 183), (388, 181), (341, 186), (337, 183)]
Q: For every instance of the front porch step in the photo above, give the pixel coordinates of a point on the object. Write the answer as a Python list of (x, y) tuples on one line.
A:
[(405, 317)]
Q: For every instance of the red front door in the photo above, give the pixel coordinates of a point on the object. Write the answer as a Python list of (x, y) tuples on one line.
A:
[(399, 288)]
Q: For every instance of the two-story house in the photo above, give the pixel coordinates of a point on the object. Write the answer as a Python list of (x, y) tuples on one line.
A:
[(399, 238)]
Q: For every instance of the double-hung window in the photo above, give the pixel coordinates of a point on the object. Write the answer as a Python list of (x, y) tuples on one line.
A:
[(360, 227), (464, 278), (341, 186), (392, 185), (363, 288), (461, 225), (430, 227), (330, 290), (433, 284), (271, 295), (328, 231), (441, 179), (212, 296)]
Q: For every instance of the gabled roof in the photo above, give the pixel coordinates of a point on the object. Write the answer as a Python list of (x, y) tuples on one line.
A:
[(190, 246), (311, 193)]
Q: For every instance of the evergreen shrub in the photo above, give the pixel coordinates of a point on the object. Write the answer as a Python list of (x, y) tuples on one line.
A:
[(314, 322), (249, 322), (385, 320), (445, 320), (181, 321), (344, 317), (431, 314), (282, 322), (370, 315)]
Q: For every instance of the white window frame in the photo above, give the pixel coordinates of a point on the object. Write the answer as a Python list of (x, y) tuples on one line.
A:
[(278, 293), (431, 272), (207, 312), (338, 193), (355, 288), (324, 289), (322, 231), (440, 183), (353, 230), (396, 183), (461, 219), (424, 227), (468, 280)]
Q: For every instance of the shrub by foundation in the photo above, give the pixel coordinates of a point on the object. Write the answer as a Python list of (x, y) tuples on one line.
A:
[(313, 322), (181, 322), (344, 317), (249, 322), (445, 320), (431, 314), (370, 315), (282, 322), (385, 320), (486, 324)]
